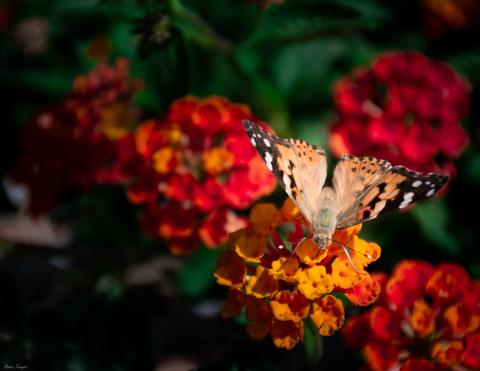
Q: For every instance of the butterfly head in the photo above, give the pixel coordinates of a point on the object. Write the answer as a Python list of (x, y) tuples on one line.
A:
[(322, 240)]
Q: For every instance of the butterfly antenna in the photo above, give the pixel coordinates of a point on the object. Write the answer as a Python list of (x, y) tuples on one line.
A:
[(347, 253)]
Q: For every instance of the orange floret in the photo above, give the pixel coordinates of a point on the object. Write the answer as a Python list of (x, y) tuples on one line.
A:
[(421, 319), (314, 282), (217, 160), (230, 270), (286, 334), (262, 284), (290, 306), (328, 315)]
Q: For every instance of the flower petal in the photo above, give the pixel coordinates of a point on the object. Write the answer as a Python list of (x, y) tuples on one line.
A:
[(422, 318), (262, 284), (286, 334), (328, 315), (290, 306), (364, 292), (230, 270), (314, 282), (448, 353), (233, 304)]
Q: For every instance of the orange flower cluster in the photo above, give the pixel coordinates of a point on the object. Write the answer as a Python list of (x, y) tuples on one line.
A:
[(427, 318), (192, 169), (280, 288)]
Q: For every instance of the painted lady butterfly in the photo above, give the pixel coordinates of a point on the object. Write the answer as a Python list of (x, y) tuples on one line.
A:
[(363, 187)]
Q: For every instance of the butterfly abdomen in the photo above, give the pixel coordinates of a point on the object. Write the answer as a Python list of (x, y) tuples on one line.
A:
[(326, 219)]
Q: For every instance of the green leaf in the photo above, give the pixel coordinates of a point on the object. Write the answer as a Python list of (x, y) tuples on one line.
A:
[(475, 270), (468, 64), (241, 319), (167, 72), (123, 41), (432, 218), (313, 343), (50, 83), (275, 32), (196, 276), (473, 168), (313, 129), (295, 74), (372, 9)]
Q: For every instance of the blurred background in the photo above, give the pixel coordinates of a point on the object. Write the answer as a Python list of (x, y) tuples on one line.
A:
[(82, 286)]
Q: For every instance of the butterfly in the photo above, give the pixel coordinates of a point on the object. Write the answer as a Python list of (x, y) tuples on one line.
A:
[(363, 187)]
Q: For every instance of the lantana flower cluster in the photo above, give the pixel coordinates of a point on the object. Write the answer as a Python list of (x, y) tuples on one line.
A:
[(406, 109), (66, 148), (427, 318), (282, 279), (192, 170)]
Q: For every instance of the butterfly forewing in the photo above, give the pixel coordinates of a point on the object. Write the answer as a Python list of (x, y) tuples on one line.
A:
[(368, 187), (299, 167)]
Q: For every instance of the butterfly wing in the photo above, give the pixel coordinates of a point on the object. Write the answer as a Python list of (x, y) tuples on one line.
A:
[(299, 167), (368, 187)]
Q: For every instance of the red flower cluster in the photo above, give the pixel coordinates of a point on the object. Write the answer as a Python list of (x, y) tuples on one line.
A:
[(427, 318), (410, 109), (65, 148), (191, 169)]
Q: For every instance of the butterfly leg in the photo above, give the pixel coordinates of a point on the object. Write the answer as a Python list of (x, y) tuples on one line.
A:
[(298, 244), (350, 259), (347, 253)]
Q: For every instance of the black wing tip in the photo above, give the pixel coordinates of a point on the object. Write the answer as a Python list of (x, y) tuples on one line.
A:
[(247, 124), (406, 171), (443, 179)]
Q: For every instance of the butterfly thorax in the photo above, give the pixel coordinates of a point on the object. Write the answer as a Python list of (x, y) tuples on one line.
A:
[(326, 219)]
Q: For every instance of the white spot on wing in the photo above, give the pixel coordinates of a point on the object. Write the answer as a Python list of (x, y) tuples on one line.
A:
[(287, 182), (266, 141), (430, 192), (417, 183), (408, 196), (407, 199), (253, 142), (268, 160)]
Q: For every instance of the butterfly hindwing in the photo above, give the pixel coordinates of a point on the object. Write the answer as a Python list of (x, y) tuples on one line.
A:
[(299, 167), (382, 189), (353, 175)]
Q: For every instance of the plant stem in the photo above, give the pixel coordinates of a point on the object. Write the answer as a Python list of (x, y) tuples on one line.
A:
[(221, 44), (208, 38), (313, 345), (258, 19)]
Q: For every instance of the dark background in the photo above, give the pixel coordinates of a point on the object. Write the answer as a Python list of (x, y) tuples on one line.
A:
[(77, 307)]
